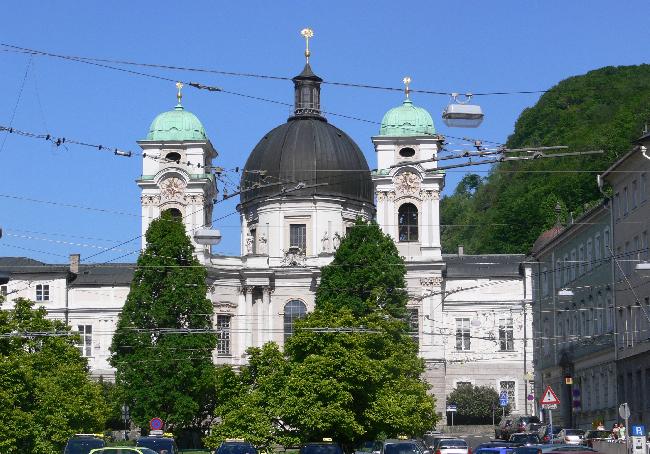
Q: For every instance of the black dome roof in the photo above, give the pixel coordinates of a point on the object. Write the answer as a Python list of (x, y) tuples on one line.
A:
[(306, 156)]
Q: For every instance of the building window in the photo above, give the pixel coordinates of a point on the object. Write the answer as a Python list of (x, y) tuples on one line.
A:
[(545, 281), (635, 194), (414, 324), (253, 240), (567, 269), (506, 335), (625, 201), (298, 236), (644, 245), (293, 310), (463, 383), (223, 335), (617, 205), (42, 292), (462, 334), (644, 188), (574, 265), (581, 260), (407, 152), (407, 220), (558, 272), (175, 213), (606, 243), (509, 388), (626, 259), (3, 290), (597, 252), (589, 255), (86, 344)]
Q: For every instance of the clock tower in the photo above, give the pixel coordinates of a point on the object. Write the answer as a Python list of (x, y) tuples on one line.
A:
[(177, 173)]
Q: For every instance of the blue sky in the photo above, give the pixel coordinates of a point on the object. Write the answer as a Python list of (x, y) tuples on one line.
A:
[(446, 46)]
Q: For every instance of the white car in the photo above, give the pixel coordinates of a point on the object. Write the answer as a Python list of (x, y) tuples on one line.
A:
[(452, 446), (569, 436)]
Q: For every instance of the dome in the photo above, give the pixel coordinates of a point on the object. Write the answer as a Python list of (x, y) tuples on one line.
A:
[(306, 151), (407, 120), (175, 125)]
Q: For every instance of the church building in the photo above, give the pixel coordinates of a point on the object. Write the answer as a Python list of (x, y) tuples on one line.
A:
[(302, 188)]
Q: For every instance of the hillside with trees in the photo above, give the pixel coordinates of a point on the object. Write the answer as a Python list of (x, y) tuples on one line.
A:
[(605, 109)]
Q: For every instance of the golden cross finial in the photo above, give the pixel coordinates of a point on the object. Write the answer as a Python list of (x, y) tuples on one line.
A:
[(307, 33), (407, 82), (179, 95)]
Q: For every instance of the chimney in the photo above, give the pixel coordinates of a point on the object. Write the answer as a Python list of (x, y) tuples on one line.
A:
[(461, 250), (74, 263)]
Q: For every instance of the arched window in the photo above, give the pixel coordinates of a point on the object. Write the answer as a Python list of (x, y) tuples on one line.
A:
[(293, 310), (173, 156), (175, 213), (407, 219), (407, 152)]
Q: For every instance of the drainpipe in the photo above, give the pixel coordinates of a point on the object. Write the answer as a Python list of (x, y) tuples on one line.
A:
[(610, 204)]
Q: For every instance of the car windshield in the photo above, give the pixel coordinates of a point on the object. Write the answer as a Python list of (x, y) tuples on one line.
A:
[(574, 432), (318, 449), (366, 446), (402, 448), (599, 434), (236, 448), (157, 444), (82, 445), (452, 444)]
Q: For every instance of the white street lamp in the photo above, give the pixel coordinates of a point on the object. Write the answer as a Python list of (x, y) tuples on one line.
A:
[(462, 114), (643, 268), (565, 294), (207, 237)]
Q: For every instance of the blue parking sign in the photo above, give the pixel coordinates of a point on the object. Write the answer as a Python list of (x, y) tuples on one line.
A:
[(638, 430), (503, 399)]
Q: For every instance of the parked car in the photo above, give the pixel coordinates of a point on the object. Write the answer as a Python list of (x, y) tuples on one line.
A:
[(123, 450), (327, 446), (437, 439), (504, 429), (553, 449), (365, 447), (593, 435), (495, 450), (526, 439), (453, 446), (569, 436), (236, 446), (495, 444), (545, 434), (526, 424), (397, 446), (83, 443), (158, 443)]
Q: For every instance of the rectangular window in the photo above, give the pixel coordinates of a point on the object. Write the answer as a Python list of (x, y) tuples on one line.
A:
[(558, 272), (606, 389), (606, 242), (223, 335), (545, 281), (625, 201), (463, 383), (414, 324), (3, 290), (635, 194), (574, 265), (644, 188), (506, 335), (636, 253), (589, 255), (581, 260), (462, 334), (298, 236), (626, 258), (42, 292), (253, 246), (567, 267), (617, 206), (597, 251), (644, 245), (509, 388), (86, 345)]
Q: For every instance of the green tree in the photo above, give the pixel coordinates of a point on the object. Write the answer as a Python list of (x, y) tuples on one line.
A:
[(46, 394), (354, 369), (604, 109), (475, 404), (161, 352)]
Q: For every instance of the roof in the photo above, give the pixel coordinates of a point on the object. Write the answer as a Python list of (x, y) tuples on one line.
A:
[(308, 151), (176, 125), (407, 120), (546, 237), (25, 265), (110, 274), (477, 266)]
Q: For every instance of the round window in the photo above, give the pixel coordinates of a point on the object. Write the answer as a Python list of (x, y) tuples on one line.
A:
[(407, 152), (173, 156)]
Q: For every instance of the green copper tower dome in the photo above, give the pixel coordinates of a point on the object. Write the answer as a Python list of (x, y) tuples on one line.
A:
[(176, 125), (407, 119)]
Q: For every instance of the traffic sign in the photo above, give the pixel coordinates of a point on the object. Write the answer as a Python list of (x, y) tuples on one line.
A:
[(624, 410), (156, 424), (638, 431), (503, 399), (452, 408), (549, 398)]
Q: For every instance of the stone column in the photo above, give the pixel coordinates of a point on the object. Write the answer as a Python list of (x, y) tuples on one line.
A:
[(248, 316), (265, 313)]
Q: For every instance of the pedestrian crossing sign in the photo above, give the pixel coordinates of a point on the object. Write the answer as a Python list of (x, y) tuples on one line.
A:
[(549, 398)]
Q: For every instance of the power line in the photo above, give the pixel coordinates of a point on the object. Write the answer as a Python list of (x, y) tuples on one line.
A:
[(20, 93)]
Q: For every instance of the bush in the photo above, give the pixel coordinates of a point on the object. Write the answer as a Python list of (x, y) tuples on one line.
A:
[(475, 404)]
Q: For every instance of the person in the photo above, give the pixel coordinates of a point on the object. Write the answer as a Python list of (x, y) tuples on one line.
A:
[(615, 431), (621, 432), (600, 426)]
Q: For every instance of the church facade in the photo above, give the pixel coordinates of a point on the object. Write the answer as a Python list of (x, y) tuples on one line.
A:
[(302, 188)]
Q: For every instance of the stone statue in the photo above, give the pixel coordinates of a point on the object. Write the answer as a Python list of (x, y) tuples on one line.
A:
[(262, 241), (337, 240), (325, 242), (249, 244)]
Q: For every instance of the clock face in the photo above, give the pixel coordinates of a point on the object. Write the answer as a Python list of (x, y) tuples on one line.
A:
[(172, 187)]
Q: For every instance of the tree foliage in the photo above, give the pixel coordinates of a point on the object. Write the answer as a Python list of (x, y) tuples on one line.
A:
[(163, 361), (603, 109), (475, 404), (46, 394)]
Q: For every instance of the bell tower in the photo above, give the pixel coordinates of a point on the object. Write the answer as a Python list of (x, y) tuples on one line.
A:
[(407, 184), (176, 173)]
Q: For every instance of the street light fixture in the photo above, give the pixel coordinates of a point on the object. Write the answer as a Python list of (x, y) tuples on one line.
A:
[(643, 268), (462, 114), (207, 237), (565, 294)]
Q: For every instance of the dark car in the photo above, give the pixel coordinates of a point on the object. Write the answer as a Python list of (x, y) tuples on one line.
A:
[(321, 447), (83, 444), (526, 424), (159, 444), (397, 446), (496, 444), (238, 446), (504, 429), (545, 435), (526, 439), (495, 450), (593, 435)]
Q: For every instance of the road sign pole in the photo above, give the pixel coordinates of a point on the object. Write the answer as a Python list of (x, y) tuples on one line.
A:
[(452, 420), (550, 423)]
